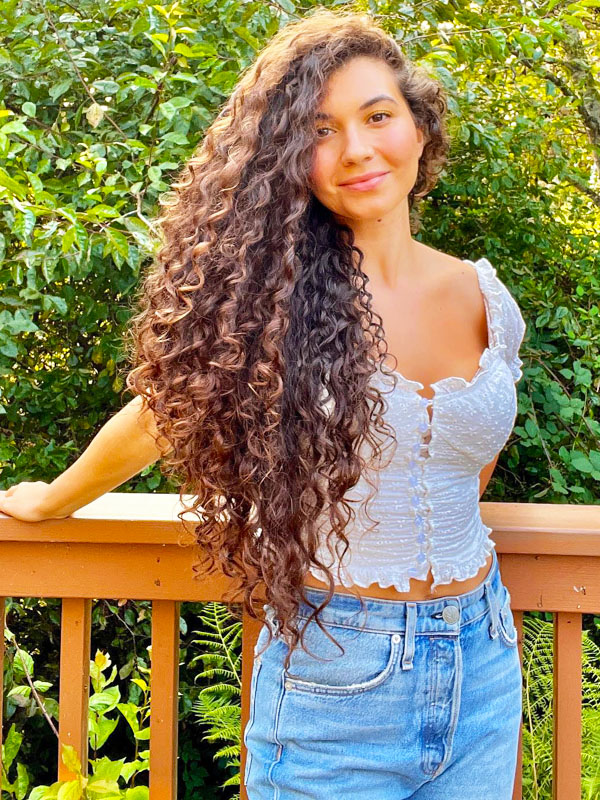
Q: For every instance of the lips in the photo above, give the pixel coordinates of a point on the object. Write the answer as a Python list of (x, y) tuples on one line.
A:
[(362, 178)]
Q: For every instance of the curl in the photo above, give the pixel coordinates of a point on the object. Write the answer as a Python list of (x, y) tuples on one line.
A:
[(257, 310)]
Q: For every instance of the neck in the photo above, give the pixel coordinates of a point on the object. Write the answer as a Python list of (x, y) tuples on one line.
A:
[(390, 252)]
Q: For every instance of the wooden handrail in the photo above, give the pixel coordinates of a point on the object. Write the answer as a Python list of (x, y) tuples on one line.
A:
[(549, 558)]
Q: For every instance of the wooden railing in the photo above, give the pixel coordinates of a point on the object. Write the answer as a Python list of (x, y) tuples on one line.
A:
[(130, 546)]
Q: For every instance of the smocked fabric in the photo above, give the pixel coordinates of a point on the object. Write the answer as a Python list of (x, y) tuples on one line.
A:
[(425, 513)]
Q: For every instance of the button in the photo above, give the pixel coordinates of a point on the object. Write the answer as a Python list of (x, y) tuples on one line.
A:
[(451, 614), (396, 638), (421, 557), (288, 685)]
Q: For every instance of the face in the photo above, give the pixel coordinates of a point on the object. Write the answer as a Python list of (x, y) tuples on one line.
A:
[(355, 136)]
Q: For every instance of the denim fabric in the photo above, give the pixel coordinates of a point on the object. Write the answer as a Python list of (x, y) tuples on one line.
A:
[(425, 703)]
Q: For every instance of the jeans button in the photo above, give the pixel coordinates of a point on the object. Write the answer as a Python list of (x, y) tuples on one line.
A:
[(451, 614)]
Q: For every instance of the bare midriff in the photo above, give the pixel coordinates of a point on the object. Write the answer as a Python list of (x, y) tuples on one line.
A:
[(419, 590)]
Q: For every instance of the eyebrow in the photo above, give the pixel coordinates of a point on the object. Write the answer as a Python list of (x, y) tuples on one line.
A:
[(371, 102)]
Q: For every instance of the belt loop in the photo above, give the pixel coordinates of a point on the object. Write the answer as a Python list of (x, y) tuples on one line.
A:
[(493, 606), (271, 619), (409, 636)]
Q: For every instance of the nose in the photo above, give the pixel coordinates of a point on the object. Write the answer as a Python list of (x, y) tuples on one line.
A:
[(357, 147)]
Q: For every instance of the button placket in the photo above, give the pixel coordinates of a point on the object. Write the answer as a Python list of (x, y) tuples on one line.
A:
[(419, 501)]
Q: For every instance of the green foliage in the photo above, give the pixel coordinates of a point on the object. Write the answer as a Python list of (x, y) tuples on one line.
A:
[(218, 705), (538, 654), (105, 774), (85, 156)]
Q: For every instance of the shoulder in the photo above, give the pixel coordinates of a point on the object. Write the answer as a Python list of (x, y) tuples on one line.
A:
[(466, 282), (457, 282)]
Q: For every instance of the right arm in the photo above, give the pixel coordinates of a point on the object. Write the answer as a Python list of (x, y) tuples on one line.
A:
[(124, 446)]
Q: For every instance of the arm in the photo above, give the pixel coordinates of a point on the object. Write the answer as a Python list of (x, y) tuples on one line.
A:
[(124, 446), (486, 474)]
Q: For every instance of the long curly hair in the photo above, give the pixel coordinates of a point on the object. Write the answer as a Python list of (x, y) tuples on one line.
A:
[(254, 342)]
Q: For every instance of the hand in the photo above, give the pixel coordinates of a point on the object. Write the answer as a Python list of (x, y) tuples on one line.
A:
[(28, 501)]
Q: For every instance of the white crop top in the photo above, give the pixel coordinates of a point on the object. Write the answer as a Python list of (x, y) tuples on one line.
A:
[(427, 501)]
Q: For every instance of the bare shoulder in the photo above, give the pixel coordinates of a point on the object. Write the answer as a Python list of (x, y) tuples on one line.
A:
[(452, 275), (456, 285)]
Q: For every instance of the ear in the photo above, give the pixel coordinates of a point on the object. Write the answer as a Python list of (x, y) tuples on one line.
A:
[(421, 139)]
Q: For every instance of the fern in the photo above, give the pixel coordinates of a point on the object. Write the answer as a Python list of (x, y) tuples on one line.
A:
[(218, 706), (538, 667)]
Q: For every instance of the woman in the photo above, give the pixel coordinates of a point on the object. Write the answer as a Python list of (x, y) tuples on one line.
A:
[(287, 270)]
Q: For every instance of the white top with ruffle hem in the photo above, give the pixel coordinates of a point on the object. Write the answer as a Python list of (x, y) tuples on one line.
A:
[(425, 513)]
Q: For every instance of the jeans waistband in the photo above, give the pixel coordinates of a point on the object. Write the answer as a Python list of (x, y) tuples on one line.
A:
[(425, 616)]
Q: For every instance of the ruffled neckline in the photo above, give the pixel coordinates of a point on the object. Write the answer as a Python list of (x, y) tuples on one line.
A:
[(491, 293)]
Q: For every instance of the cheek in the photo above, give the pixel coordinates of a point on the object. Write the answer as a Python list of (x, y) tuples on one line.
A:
[(399, 144), (320, 170)]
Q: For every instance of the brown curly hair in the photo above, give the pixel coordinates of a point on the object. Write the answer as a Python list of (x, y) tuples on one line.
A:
[(256, 309)]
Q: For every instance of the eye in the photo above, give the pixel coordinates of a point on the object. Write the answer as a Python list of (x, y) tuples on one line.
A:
[(385, 114), (377, 113)]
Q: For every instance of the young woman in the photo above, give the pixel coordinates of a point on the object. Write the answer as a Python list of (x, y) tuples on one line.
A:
[(387, 666)]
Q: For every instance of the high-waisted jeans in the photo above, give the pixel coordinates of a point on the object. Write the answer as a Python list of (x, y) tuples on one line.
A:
[(425, 702)]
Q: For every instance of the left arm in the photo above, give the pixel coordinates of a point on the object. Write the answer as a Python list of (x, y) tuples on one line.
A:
[(486, 474)]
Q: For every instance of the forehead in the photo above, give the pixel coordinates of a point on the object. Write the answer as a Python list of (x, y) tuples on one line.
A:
[(359, 80)]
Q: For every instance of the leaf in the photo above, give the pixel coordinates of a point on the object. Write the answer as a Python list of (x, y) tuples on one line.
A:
[(71, 790), (24, 224), (22, 782), (106, 87), (594, 456), (40, 793), (119, 242), (105, 700), (531, 428), (23, 661), (60, 88), (100, 728), (8, 183), (11, 746), (245, 34), (154, 174), (107, 770), (581, 462), (130, 712), (71, 759), (94, 114), (137, 793)]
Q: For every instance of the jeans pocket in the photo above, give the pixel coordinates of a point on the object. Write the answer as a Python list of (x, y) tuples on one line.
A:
[(367, 661), (256, 667), (508, 630)]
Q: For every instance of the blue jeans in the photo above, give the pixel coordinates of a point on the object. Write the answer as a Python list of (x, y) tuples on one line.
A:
[(425, 702)]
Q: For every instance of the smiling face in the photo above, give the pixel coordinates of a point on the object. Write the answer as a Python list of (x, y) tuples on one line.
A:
[(356, 136)]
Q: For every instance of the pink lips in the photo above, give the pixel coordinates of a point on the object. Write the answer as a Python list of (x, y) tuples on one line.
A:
[(366, 184)]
